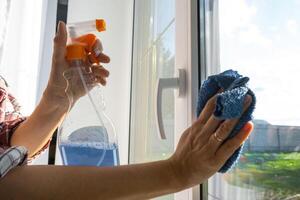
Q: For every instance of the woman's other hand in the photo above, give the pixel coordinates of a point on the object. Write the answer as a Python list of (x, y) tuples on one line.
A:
[(201, 151), (55, 90)]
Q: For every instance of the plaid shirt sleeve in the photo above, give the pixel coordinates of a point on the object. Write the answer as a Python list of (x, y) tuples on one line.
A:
[(11, 158), (9, 121)]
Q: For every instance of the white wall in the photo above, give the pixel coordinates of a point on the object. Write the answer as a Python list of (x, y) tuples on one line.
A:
[(117, 42)]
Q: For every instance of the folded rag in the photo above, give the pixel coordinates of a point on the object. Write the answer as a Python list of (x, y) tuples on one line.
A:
[(229, 104)]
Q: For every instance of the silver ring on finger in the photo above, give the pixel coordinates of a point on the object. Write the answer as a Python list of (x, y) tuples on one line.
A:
[(217, 137)]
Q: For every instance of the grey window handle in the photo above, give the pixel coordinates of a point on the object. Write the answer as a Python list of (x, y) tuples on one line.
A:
[(167, 83)]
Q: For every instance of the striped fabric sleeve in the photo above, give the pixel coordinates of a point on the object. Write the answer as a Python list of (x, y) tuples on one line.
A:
[(10, 119), (7, 129), (11, 158)]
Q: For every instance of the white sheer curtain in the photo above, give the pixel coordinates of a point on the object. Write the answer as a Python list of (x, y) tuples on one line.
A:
[(20, 31), (4, 10), (20, 51)]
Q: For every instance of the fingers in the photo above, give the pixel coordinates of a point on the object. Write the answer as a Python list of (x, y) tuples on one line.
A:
[(216, 139), (103, 58), (208, 110), (206, 119), (92, 75), (97, 47), (209, 128), (102, 81), (98, 53), (229, 147), (60, 41), (100, 73), (204, 115)]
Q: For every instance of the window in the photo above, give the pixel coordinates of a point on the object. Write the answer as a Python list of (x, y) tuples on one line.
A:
[(153, 58), (260, 39)]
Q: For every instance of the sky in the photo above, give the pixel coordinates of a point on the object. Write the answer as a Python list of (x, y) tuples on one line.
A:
[(260, 39)]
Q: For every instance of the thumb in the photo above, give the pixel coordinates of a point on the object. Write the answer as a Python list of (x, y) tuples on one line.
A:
[(60, 41)]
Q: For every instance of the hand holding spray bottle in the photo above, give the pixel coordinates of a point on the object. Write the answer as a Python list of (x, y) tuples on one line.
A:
[(87, 136)]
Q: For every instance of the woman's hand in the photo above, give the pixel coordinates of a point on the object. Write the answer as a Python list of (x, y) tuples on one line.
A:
[(55, 91), (35, 132), (201, 151)]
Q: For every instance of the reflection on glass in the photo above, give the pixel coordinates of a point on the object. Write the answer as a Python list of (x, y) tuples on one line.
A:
[(164, 12), (264, 46)]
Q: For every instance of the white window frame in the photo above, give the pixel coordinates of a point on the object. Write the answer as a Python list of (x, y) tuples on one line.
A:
[(187, 44), (209, 50)]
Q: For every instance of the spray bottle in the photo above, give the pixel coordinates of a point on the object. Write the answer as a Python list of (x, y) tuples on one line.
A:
[(87, 136)]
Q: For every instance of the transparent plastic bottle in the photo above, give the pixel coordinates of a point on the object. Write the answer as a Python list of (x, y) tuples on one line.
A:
[(87, 136)]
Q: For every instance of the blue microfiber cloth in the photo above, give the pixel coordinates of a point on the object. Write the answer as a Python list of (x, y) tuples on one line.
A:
[(229, 104)]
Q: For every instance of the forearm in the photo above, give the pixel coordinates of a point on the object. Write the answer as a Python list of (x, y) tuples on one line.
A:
[(141, 181), (38, 128)]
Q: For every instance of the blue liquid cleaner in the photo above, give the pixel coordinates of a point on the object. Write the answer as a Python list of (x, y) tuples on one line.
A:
[(89, 154)]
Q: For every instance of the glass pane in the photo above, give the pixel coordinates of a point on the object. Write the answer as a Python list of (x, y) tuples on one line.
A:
[(260, 39), (153, 58)]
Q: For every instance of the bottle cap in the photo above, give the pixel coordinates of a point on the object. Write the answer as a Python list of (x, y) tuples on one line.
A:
[(100, 25)]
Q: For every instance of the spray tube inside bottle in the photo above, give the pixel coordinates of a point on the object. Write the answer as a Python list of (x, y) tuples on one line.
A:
[(87, 135)]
